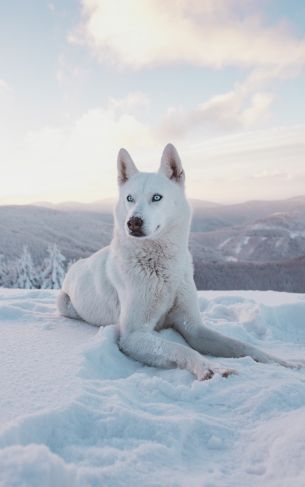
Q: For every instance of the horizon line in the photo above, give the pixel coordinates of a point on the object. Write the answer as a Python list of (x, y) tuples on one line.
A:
[(109, 200)]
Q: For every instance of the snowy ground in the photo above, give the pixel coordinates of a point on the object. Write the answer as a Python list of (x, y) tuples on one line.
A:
[(74, 411)]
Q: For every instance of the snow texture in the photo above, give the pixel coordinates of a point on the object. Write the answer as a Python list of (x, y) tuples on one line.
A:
[(75, 411)]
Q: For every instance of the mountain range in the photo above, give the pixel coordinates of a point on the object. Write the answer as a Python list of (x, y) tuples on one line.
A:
[(239, 243)]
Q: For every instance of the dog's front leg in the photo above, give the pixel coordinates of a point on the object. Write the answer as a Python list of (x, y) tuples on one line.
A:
[(185, 317), (150, 348)]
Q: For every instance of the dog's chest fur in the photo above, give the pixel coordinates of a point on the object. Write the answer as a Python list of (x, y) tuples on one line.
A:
[(153, 261), (148, 276), (151, 274)]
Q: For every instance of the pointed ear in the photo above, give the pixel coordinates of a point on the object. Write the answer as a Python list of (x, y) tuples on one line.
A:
[(126, 167), (171, 165)]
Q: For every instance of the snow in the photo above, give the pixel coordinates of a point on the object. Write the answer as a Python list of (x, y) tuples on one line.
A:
[(229, 258), (75, 411), (297, 234), (224, 243)]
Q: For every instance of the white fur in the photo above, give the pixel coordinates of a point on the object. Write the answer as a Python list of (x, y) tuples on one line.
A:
[(146, 283)]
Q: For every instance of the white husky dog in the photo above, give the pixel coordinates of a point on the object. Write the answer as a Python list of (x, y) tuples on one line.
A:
[(144, 279)]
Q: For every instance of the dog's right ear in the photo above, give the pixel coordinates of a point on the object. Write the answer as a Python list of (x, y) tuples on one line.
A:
[(126, 167)]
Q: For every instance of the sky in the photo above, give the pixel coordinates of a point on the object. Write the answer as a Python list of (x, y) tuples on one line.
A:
[(224, 80)]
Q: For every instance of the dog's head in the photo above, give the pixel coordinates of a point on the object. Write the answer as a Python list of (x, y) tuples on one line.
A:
[(150, 203)]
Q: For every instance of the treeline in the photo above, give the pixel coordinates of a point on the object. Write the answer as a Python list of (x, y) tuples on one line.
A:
[(288, 276), (24, 274)]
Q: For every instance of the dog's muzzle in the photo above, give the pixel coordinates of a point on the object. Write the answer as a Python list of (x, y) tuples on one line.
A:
[(135, 226)]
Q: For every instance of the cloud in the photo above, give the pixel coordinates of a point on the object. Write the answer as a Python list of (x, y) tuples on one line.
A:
[(76, 160), (272, 175), (264, 164), (206, 33), (235, 110), (253, 142), (210, 33), (131, 103), (4, 87)]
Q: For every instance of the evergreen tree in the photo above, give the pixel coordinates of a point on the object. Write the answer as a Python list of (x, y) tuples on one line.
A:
[(3, 272), (25, 272), (11, 274), (7, 272), (53, 272)]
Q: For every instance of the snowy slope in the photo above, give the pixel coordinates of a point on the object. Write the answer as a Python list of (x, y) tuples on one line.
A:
[(74, 411), (218, 231), (276, 238)]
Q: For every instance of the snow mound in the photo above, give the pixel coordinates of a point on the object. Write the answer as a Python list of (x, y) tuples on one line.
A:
[(75, 411)]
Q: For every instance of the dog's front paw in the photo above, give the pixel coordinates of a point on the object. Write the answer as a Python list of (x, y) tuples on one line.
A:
[(205, 374), (224, 371), (205, 371)]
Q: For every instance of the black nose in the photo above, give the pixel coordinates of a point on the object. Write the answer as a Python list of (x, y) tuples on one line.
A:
[(135, 224)]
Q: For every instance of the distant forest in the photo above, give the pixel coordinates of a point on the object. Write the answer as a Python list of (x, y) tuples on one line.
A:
[(288, 276)]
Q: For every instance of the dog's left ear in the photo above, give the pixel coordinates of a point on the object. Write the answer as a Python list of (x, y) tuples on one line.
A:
[(126, 166), (171, 165)]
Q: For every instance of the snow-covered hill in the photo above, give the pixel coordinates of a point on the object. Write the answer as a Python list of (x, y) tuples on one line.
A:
[(77, 233), (245, 232), (75, 411), (255, 245), (276, 238)]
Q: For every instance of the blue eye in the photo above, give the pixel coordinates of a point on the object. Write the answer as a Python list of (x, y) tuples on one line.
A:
[(130, 198), (156, 197)]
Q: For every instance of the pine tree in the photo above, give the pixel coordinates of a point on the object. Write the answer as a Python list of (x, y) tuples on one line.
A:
[(53, 269), (3, 272), (11, 274), (25, 272), (7, 272)]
